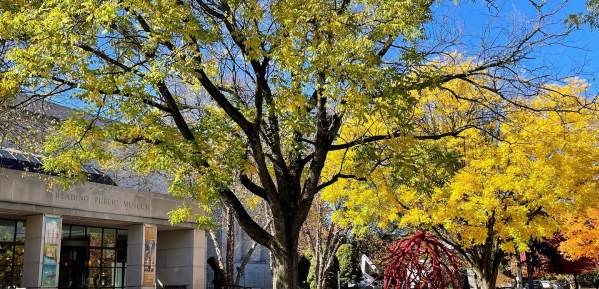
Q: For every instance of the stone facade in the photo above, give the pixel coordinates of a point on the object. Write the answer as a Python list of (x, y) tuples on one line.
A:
[(135, 201), (180, 250), (32, 192)]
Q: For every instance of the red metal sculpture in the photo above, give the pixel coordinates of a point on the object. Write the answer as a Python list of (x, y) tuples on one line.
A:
[(421, 261)]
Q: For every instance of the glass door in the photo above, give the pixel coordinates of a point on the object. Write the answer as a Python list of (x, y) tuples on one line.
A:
[(73, 270)]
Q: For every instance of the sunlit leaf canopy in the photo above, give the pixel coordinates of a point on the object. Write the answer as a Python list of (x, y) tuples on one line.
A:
[(581, 233), (129, 62), (589, 17), (508, 187)]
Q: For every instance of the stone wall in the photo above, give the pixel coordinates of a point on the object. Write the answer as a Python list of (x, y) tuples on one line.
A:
[(181, 258), (32, 193)]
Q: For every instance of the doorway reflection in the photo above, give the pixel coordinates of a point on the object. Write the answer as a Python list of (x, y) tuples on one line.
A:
[(92, 257)]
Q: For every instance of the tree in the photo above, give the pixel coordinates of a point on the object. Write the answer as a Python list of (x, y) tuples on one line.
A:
[(228, 236), (552, 261), (589, 17), (348, 264), (327, 279), (500, 193), (581, 234), (322, 238), (215, 92), (591, 278), (226, 260)]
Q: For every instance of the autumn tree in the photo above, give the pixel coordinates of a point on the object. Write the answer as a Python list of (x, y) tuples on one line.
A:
[(503, 190), (581, 233), (589, 17), (322, 237), (214, 92), (552, 261)]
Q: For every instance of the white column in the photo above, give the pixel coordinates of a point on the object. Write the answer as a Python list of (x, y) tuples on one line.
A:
[(42, 237), (200, 252), (141, 257)]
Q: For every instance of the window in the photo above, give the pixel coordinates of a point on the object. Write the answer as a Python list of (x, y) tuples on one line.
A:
[(107, 254), (12, 247)]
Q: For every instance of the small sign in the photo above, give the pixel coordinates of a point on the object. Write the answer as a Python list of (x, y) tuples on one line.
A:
[(51, 250), (149, 277)]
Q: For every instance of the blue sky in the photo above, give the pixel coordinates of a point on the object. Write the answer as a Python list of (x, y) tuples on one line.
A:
[(578, 55), (580, 51)]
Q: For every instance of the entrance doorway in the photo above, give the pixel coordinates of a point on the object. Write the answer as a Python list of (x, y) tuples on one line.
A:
[(73, 270), (92, 257)]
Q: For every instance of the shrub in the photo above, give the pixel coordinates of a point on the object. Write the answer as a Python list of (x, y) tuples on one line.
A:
[(348, 264)]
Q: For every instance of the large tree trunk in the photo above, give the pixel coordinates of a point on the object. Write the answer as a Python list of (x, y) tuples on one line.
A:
[(486, 270), (487, 279), (285, 270), (487, 284), (529, 270), (284, 254)]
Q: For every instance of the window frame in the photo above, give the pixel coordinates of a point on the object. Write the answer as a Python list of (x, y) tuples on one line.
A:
[(16, 271), (102, 248)]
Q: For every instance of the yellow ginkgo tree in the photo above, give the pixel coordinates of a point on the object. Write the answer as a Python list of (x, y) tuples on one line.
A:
[(488, 193)]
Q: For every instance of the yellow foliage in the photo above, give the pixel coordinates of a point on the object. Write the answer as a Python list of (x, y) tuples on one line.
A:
[(582, 235), (512, 187), (132, 73)]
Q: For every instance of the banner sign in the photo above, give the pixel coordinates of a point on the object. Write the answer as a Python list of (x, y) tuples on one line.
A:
[(149, 277), (51, 251)]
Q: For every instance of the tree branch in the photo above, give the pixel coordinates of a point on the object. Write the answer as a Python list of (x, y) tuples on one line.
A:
[(108, 59), (175, 112), (336, 177), (376, 138), (253, 187), (248, 224)]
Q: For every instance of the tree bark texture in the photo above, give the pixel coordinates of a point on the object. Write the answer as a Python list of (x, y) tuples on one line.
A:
[(230, 241), (529, 270), (285, 270)]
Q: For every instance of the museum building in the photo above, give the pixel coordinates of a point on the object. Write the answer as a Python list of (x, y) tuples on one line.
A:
[(93, 235)]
